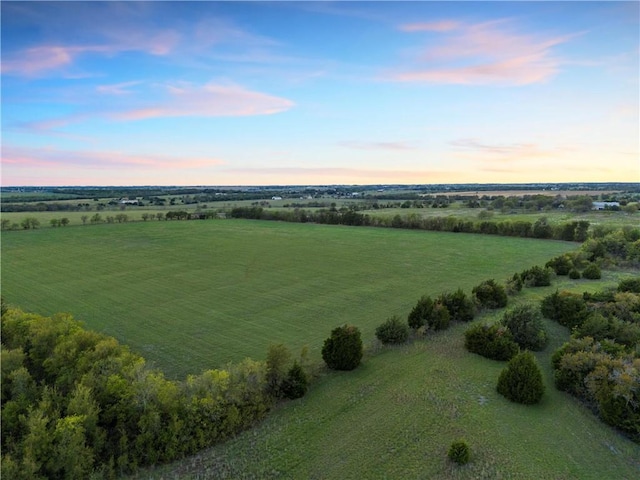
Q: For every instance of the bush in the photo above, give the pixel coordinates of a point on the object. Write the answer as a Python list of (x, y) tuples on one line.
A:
[(629, 285), (490, 341), (562, 264), (459, 452), (536, 277), (514, 284), (296, 383), (568, 309), (343, 349), (490, 295), (393, 330), (521, 381), (460, 307), (439, 318), (419, 314), (574, 274), (592, 272), (525, 324)]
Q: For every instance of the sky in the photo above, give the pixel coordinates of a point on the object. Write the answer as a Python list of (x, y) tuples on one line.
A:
[(319, 93)]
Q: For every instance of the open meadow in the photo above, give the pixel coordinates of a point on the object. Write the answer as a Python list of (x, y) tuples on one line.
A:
[(195, 295), (395, 416)]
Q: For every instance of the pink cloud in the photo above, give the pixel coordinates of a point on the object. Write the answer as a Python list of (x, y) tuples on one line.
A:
[(122, 88), (483, 54), (35, 60), (210, 100), (14, 157)]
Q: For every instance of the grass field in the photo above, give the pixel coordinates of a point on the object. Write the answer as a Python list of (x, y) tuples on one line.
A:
[(195, 295), (395, 416)]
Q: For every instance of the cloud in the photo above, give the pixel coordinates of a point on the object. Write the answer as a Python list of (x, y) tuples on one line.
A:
[(513, 150), (122, 88), (489, 53), (397, 146), (14, 157), (210, 100)]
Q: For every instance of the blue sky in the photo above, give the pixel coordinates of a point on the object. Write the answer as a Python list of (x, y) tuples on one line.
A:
[(263, 93)]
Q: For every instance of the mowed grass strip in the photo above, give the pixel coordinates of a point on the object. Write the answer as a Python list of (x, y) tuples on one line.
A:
[(195, 295)]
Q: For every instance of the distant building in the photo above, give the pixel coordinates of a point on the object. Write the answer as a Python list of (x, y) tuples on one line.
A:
[(276, 198), (605, 205)]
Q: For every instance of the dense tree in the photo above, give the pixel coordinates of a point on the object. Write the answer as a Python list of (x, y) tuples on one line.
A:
[(490, 294), (491, 341), (296, 382), (568, 309), (392, 330), (525, 324), (343, 349), (459, 452), (521, 381), (461, 308), (420, 312), (592, 272)]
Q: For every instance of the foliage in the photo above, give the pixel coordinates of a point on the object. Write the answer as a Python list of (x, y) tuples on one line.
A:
[(459, 452), (592, 272), (461, 308), (514, 284), (420, 312), (525, 324), (521, 381), (561, 264), (76, 402), (439, 318), (629, 285), (277, 362), (490, 294), (568, 309), (536, 276), (491, 341), (574, 274), (296, 383), (343, 349), (393, 330)]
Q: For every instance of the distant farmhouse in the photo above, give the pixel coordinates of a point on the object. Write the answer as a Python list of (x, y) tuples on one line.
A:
[(606, 205), (125, 201)]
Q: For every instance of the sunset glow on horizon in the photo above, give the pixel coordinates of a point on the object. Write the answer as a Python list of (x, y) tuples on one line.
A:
[(318, 93)]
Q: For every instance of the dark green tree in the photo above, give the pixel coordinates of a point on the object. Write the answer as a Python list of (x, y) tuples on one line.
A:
[(490, 294), (296, 383), (393, 330), (419, 314), (459, 452), (525, 324), (521, 381), (461, 308), (343, 349)]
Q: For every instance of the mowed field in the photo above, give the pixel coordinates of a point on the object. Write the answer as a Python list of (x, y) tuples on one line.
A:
[(395, 416), (194, 295)]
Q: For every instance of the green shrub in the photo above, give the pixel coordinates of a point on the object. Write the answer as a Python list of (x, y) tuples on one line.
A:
[(574, 274), (521, 381), (490, 341), (566, 308), (592, 272), (562, 264), (629, 285), (343, 349), (393, 330), (525, 324), (537, 276), (489, 294), (439, 318), (419, 314), (514, 284), (459, 452), (460, 307), (296, 383)]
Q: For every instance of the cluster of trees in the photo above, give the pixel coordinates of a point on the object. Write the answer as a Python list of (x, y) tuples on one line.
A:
[(600, 365), (76, 403), (437, 314), (29, 223)]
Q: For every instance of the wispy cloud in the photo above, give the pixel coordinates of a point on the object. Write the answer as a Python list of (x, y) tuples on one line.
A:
[(510, 151), (122, 88), (489, 53), (397, 146), (33, 157)]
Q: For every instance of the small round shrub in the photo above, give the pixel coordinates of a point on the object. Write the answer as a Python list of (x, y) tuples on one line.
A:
[(537, 276), (521, 381), (592, 272), (419, 314), (439, 318), (491, 295), (525, 324), (461, 308), (574, 274), (566, 308), (562, 264), (514, 284), (490, 341), (459, 452), (393, 330), (296, 382), (343, 349)]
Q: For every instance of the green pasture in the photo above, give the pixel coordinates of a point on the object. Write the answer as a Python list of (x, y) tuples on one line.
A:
[(195, 295), (396, 415)]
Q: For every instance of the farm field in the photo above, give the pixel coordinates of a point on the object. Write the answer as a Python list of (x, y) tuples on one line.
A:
[(395, 416), (195, 295)]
